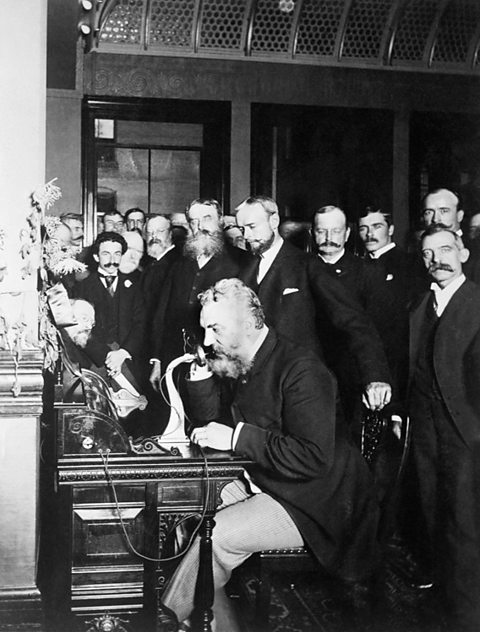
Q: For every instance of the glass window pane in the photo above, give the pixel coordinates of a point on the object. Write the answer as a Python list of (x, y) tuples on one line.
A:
[(122, 178), (152, 133), (175, 179)]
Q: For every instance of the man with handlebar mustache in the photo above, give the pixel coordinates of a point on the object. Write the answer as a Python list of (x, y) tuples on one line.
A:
[(444, 404), (119, 309)]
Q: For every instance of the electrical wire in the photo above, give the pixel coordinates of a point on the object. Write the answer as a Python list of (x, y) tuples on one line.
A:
[(104, 456)]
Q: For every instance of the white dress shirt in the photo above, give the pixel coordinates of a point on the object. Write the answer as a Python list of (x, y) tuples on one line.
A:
[(444, 295), (381, 251), (268, 257), (334, 258)]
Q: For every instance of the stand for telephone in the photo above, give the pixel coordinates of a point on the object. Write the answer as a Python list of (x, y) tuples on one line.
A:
[(173, 439)]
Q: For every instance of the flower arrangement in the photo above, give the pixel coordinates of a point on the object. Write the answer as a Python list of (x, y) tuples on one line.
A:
[(39, 248)]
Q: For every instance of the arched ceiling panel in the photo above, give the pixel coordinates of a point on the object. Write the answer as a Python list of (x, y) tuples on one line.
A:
[(429, 35)]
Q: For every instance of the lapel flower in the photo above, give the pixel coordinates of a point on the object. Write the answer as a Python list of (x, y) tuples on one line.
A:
[(127, 283)]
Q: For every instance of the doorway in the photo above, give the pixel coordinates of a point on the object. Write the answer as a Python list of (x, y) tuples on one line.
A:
[(157, 155)]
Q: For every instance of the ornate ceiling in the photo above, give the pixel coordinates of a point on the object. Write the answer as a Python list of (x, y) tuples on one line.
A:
[(425, 35)]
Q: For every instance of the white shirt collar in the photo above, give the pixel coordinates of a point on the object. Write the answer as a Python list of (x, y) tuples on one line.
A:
[(203, 260), (165, 252), (381, 251), (268, 257), (333, 259), (443, 295), (113, 287)]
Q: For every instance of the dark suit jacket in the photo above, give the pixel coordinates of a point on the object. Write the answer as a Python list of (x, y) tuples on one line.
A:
[(151, 285), (396, 278), (287, 405), (118, 319), (354, 274), (299, 297), (178, 306), (472, 266), (456, 357)]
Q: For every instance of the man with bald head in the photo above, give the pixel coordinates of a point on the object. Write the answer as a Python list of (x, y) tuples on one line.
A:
[(74, 339), (297, 295), (131, 260)]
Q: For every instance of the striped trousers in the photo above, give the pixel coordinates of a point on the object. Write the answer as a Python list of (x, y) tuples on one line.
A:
[(244, 524)]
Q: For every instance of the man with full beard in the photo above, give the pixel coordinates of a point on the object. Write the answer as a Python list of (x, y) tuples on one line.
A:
[(74, 339), (273, 402), (206, 259)]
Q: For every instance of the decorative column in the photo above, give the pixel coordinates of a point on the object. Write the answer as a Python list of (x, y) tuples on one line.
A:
[(22, 170), (20, 604), (240, 153), (401, 175)]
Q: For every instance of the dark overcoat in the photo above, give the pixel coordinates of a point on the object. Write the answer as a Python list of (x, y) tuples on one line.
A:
[(299, 296), (287, 403)]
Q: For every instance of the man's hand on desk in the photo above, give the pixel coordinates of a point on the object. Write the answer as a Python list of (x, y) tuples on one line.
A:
[(114, 361), (377, 395), (213, 435)]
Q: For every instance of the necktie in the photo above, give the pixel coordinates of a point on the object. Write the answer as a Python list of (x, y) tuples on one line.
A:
[(252, 274), (259, 263), (432, 305), (109, 281)]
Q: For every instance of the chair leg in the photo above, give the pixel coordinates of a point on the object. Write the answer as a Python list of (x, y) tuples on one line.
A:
[(262, 600)]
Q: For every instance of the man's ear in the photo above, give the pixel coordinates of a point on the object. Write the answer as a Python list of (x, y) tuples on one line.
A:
[(460, 215), (274, 220), (96, 258), (391, 228), (464, 255), (347, 233)]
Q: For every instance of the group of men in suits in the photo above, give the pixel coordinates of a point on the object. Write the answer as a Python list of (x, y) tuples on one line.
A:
[(334, 307)]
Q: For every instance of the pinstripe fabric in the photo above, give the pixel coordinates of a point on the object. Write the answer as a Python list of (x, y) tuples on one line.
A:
[(244, 524)]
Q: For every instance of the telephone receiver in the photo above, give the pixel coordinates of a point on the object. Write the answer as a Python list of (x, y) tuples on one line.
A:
[(200, 355), (194, 348)]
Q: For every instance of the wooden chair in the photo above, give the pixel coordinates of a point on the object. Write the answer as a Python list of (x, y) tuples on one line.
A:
[(384, 445)]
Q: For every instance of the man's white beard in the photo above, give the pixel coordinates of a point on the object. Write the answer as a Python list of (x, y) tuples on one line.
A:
[(155, 249), (128, 265), (80, 338), (229, 366), (203, 244)]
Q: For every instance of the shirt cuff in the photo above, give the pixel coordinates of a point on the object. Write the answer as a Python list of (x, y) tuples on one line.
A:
[(236, 434)]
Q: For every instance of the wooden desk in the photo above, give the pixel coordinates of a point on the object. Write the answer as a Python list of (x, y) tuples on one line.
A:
[(103, 575), (112, 515)]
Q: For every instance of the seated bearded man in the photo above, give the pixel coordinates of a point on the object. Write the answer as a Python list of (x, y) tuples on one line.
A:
[(273, 402)]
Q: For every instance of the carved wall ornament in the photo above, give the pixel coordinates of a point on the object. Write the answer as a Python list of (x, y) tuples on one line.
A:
[(107, 623)]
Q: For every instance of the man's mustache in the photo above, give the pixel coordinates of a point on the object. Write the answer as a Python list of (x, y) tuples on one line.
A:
[(153, 241), (330, 243), (372, 240), (112, 265), (439, 266)]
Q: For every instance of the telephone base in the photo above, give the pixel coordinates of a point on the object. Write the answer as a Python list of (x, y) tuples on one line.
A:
[(159, 445)]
